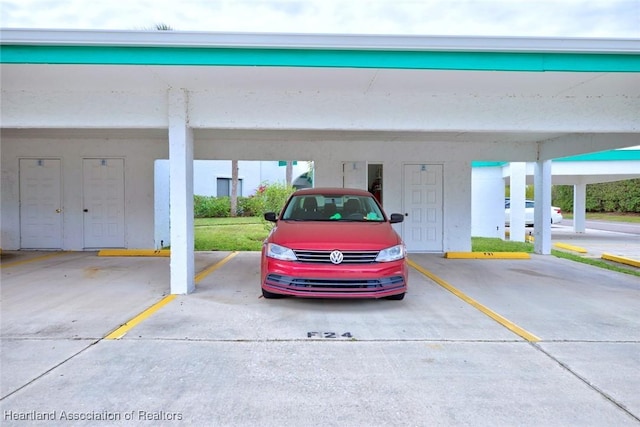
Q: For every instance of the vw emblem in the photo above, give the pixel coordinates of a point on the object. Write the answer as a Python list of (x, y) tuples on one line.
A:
[(336, 257)]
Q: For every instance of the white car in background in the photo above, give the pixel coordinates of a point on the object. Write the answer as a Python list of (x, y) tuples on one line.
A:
[(556, 213)]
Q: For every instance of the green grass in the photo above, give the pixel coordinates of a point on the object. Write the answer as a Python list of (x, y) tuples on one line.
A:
[(491, 244), (595, 262), (229, 234), (618, 217), (247, 234), (486, 244)]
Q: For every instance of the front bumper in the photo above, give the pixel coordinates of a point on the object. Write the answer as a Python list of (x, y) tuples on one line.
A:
[(375, 280)]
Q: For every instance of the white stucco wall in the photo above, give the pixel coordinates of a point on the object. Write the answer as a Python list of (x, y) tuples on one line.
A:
[(487, 202), (457, 206), (162, 220), (138, 155), (142, 181)]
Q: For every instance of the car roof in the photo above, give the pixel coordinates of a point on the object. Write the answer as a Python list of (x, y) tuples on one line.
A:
[(332, 191)]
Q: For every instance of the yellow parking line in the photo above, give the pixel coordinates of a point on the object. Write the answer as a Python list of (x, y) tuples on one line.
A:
[(487, 311), (135, 252), (126, 327), (569, 247), (621, 259), (25, 261), (487, 255), (122, 330), (204, 273)]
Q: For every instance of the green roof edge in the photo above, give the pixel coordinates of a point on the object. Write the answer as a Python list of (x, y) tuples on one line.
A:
[(612, 155), (336, 58)]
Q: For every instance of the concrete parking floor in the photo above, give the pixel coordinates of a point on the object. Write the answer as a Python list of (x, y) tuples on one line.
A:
[(224, 356)]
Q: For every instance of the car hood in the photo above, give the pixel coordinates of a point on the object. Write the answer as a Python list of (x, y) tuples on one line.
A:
[(330, 235)]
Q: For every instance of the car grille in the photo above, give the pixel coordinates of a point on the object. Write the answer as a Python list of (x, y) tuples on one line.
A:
[(337, 285), (350, 257)]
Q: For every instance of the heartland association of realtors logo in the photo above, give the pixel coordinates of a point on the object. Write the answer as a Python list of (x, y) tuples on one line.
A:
[(90, 415), (336, 257)]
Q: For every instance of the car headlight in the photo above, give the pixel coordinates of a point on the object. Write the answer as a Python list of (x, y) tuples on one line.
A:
[(280, 252), (393, 253)]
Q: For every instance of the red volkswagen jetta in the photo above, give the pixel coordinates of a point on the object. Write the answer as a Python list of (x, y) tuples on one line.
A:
[(333, 243)]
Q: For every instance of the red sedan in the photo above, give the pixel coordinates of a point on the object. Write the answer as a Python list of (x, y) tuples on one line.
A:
[(333, 243)]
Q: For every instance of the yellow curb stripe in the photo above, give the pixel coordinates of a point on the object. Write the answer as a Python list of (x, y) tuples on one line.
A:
[(621, 259), (26, 261), (492, 314), (527, 238), (570, 247), (204, 273), (122, 330), (135, 252), (487, 255)]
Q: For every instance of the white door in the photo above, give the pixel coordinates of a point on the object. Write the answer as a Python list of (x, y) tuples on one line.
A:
[(40, 204), (422, 226), (103, 199)]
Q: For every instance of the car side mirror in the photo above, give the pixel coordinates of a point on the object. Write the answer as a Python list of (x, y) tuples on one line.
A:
[(270, 216), (396, 217)]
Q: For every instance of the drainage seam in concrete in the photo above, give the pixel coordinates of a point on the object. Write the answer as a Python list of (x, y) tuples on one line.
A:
[(585, 381), (50, 370)]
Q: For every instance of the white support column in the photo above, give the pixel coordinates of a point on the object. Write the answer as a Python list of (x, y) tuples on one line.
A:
[(518, 184), (181, 193), (542, 212), (579, 207)]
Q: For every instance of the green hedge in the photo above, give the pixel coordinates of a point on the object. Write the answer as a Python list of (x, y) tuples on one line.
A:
[(220, 207), (268, 198), (618, 196)]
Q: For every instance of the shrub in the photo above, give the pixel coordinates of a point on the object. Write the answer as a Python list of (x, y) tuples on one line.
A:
[(562, 196), (245, 207), (619, 196), (211, 207), (269, 197)]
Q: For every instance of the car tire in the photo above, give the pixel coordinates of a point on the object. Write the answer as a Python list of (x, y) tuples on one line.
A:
[(271, 295), (397, 297)]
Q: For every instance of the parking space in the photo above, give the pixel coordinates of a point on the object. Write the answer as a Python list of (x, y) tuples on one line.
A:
[(225, 356), (597, 242)]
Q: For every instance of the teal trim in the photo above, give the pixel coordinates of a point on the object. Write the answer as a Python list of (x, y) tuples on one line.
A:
[(603, 156), (486, 61), (487, 164)]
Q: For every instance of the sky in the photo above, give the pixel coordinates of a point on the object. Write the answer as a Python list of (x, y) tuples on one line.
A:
[(528, 18)]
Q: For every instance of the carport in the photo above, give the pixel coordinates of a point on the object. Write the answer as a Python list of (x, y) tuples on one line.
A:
[(85, 114)]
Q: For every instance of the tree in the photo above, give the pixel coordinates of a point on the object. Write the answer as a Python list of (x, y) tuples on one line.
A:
[(289, 173), (234, 188), (163, 27)]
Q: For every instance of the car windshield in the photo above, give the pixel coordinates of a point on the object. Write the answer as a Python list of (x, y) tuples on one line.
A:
[(332, 207)]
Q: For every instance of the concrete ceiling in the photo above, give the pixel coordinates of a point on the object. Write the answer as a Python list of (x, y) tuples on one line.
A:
[(293, 79), (506, 115)]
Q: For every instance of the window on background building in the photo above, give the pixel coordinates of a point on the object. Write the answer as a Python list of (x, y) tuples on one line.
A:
[(224, 187)]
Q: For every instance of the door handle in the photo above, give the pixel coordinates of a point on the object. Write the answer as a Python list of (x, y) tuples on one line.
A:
[(406, 214), (58, 210), (85, 210)]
